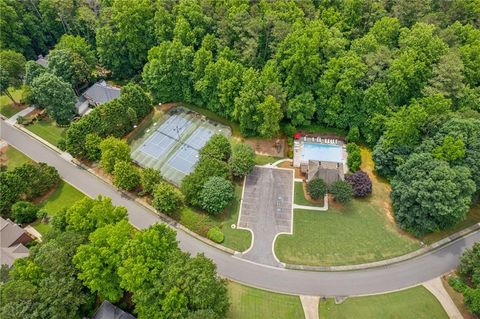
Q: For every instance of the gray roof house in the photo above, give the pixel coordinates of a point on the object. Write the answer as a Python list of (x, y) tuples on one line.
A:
[(43, 61), (95, 95), (12, 242), (109, 311)]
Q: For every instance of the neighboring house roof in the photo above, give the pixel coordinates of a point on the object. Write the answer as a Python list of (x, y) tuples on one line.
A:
[(12, 238), (101, 92), (109, 311), (43, 61)]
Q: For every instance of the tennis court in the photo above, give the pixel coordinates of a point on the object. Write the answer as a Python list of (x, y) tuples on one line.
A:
[(172, 144)]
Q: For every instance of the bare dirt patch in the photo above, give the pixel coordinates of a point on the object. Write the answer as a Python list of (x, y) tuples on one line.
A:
[(270, 147)]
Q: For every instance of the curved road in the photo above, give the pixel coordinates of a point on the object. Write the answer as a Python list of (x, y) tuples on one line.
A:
[(348, 283)]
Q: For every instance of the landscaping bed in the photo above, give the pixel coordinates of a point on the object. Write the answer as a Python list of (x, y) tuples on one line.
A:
[(300, 196), (413, 303), (251, 303)]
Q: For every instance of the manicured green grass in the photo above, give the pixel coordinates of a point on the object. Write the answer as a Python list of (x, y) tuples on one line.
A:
[(200, 223), (299, 196), (358, 232), (15, 158), (252, 303), (414, 303), (64, 196), (48, 130), (265, 159), (6, 105)]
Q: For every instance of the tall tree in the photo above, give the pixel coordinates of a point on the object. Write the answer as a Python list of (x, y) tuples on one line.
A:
[(12, 69), (428, 195), (99, 260), (56, 96), (164, 60)]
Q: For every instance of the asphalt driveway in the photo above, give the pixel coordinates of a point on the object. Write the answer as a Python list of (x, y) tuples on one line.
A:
[(266, 210)]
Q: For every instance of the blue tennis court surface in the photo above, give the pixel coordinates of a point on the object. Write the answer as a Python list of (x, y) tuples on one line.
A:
[(172, 144)]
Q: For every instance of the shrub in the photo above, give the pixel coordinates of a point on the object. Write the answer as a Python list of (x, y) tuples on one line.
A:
[(361, 183), (113, 150), (354, 157), (353, 135), (217, 147), (125, 175), (42, 214), (166, 198), (456, 283), (149, 178), (289, 130), (37, 179), (61, 144), (216, 194), (317, 188), (215, 234), (342, 191), (24, 212), (92, 147), (242, 161)]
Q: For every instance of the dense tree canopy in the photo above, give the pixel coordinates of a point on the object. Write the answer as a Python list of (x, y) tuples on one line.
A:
[(428, 195), (56, 96)]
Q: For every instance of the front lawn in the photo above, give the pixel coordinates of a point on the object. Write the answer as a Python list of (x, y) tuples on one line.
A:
[(265, 159), (200, 223), (7, 108), (63, 197), (15, 158), (359, 232), (413, 303), (250, 303), (48, 130)]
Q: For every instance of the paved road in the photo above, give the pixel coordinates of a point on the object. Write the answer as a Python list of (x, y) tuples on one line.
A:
[(376, 280)]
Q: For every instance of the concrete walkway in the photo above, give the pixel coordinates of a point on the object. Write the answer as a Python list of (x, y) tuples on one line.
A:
[(435, 286), (323, 208), (279, 162), (310, 306), (24, 112)]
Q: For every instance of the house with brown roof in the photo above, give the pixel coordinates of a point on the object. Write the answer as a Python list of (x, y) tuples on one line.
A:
[(12, 242)]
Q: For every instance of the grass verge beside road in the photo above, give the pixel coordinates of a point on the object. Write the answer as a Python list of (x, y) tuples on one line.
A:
[(252, 303), (48, 130), (413, 303), (15, 158)]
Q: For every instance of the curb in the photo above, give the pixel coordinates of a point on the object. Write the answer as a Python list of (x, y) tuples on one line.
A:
[(53, 147), (391, 261)]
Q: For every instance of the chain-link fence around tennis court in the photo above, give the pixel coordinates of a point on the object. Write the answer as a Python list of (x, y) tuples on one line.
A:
[(171, 145)]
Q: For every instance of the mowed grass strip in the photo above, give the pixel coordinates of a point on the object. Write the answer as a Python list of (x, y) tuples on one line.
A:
[(299, 196), (7, 108), (359, 232), (15, 158), (252, 303), (413, 303), (46, 129)]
